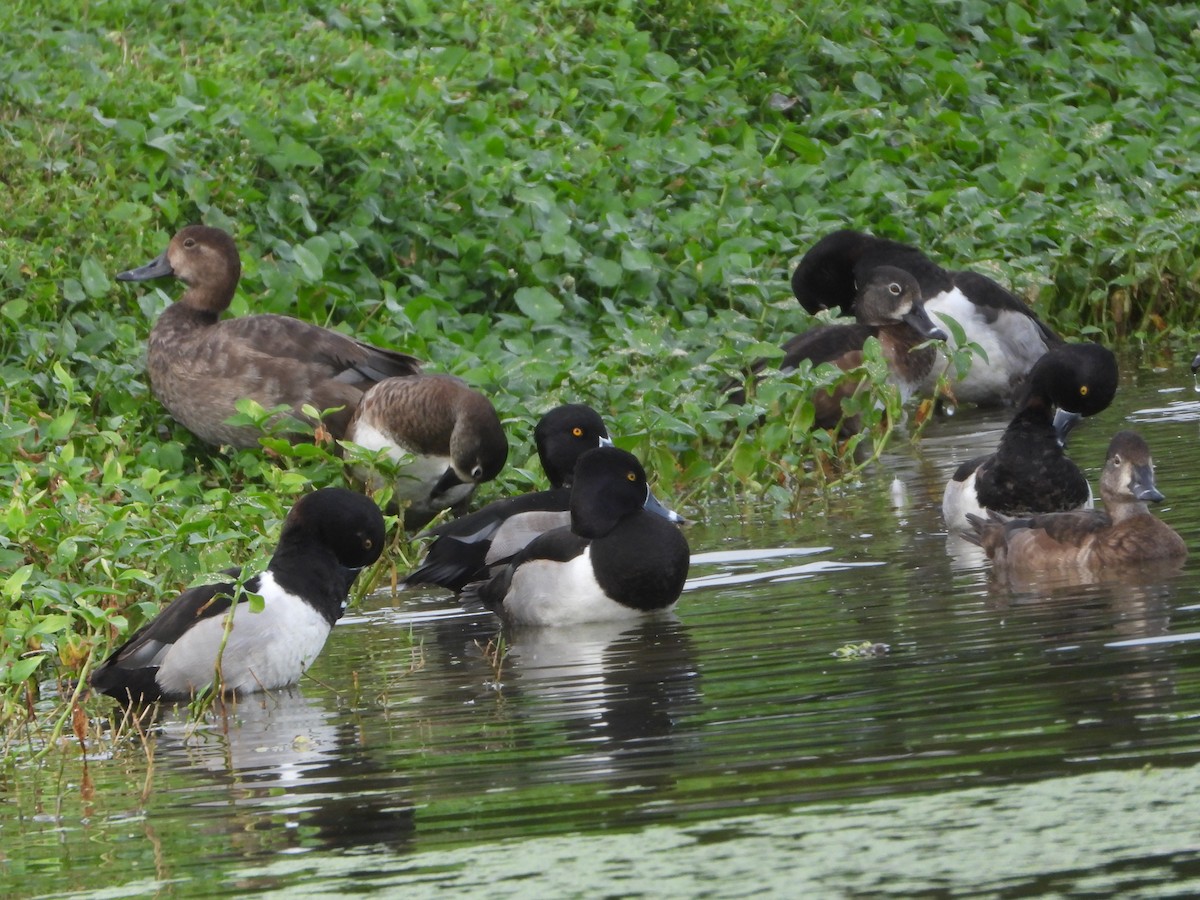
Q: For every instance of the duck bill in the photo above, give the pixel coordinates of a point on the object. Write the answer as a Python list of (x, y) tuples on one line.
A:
[(652, 505), (448, 480), (1143, 487), (156, 268), (918, 320), (1064, 421)]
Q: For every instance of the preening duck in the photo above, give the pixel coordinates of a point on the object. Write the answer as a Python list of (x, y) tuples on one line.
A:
[(446, 434), (1005, 328)]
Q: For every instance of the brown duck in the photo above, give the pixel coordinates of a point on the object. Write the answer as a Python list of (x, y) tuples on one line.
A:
[(1125, 534), (200, 365)]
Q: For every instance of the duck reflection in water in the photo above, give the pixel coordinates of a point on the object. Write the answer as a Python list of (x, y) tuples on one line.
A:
[(297, 774), (623, 690)]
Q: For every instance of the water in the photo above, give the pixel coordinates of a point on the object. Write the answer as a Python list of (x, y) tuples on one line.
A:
[(1028, 739)]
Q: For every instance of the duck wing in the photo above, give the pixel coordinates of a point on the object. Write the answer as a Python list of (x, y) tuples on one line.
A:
[(131, 669)]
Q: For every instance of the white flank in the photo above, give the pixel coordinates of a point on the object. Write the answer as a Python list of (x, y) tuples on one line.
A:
[(544, 592), (958, 500), (266, 650), (1013, 343)]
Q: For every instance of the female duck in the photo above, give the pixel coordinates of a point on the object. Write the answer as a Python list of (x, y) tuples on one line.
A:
[(466, 549), (1029, 472), (200, 366), (616, 560), (1007, 330), (889, 307), (446, 435), (1125, 534), (326, 538)]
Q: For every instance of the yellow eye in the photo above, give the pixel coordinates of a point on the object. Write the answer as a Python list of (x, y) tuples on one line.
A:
[(632, 476), (368, 544), (1083, 391), (577, 431)]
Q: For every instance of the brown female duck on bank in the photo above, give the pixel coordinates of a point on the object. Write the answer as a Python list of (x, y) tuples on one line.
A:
[(201, 365), (1125, 534), (889, 308)]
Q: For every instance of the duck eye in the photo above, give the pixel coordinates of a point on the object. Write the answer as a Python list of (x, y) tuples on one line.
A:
[(894, 289), (189, 242), (632, 476), (577, 431), (1083, 391), (368, 543)]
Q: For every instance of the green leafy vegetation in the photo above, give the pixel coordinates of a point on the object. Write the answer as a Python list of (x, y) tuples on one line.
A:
[(558, 201)]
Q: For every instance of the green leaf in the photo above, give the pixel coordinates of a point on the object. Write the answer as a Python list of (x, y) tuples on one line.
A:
[(538, 304)]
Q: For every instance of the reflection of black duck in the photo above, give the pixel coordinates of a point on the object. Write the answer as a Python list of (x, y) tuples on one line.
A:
[(290, 762), (622, 689)]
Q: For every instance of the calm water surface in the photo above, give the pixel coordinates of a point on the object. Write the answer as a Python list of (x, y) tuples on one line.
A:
[(1028, 739)]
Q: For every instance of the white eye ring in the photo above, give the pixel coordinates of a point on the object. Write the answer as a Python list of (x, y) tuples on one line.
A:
[(894, 289)]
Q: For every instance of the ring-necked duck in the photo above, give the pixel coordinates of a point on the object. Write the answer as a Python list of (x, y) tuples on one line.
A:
[(1124, 534), (466, 549), (448, 435), (1029, 472), (1004, 327), (616, 559), (200, 365), (889, 307), (326, 538)]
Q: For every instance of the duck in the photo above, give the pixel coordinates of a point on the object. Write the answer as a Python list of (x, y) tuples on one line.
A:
[(616, 560), (326, 538), (1124, 534), (200, 365), (466, 549), (1030, 471), (1005, 328), (890, 308), (446, 435)]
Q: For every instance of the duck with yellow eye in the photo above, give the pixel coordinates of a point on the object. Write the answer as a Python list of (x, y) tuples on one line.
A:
[(469, 548), (616, 560), (1030, 471)]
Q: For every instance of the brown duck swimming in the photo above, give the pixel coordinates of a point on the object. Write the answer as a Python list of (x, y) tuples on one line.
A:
[(1125, 534), (200, 365)]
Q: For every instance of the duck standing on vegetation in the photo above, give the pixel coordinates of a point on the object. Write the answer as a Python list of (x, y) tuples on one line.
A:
[(1004, 327), (200, 365), (326, 538), (469, 548), (447, 437), (615, 560), (889, 307), (1030, 472), (1124, 534)]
